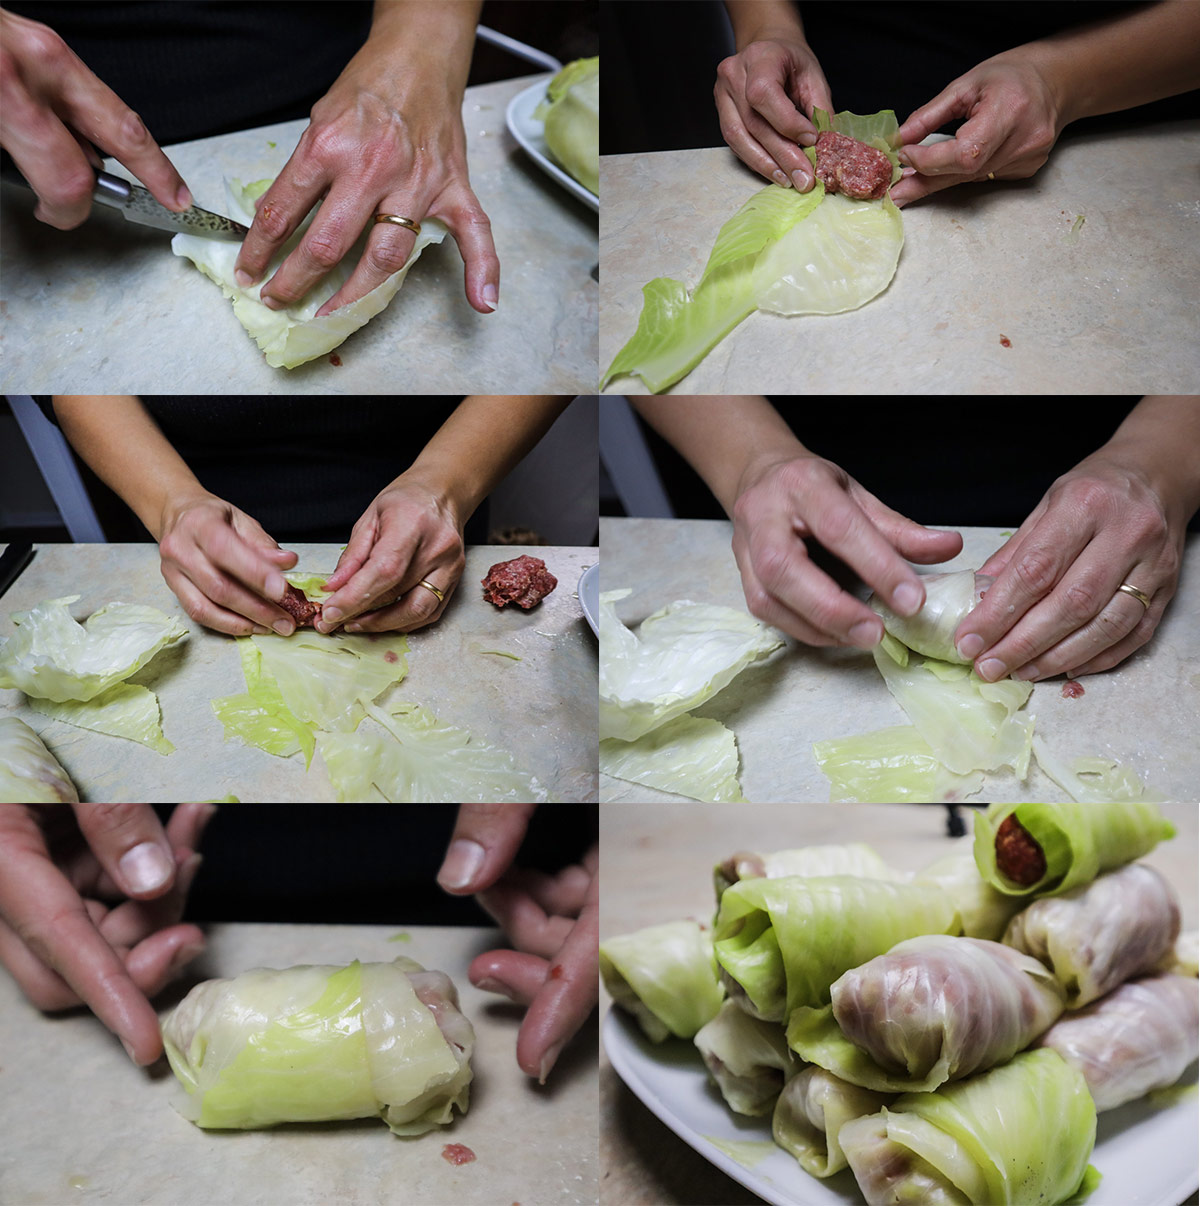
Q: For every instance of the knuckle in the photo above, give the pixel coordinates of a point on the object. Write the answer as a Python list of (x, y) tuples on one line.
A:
[(272, 221), (1036, 570), (726, 67), (1081, 601), (40, 42), (106, 820), (133, 133), (196, 610), (324, 249), (758, 90), (758, 602), (771, 564), (386, 256)]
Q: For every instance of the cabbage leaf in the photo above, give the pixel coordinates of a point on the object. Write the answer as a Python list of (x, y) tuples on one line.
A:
[(124, 710), (689, 756), (294, 335), (571, 118), (29, 772)]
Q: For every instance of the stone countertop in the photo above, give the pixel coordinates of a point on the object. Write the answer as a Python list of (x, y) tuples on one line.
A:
[(107, 308), (1145, 711), (658, 867), (1107, 311), (542, 708), (82, 1124)]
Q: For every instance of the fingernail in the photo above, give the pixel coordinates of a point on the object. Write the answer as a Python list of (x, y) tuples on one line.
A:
[(548, 1061), (243, 278), (259, 630), (184, 955), (497, 986), (907, 598), (865, 634), (780, 178), (129, 1051), (1026, 674), (275, 586), (271, 303), (491, 295), (463, 862), (801, 181), (331, 615), (145, 867), (352, 627), (970, 647), (991, 669), (183, 198), (284, 627)]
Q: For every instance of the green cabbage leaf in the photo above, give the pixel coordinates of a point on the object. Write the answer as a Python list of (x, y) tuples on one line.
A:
[(29, 772), (124, 710), (689, 756), (294, 335), (571, 117)]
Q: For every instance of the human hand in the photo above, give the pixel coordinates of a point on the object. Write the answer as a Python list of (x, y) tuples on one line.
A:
[(223, 567), (54, 114), (411, 531), (782, 503), (761, 93), (1013, 119), (1055, 606), (382, 140), (62, 936), (552, 920)]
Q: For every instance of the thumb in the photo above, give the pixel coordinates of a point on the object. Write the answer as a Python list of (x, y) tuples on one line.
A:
[(485, 840), (130, 844)]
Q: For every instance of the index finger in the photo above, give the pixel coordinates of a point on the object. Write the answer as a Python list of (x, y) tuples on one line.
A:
[(384, 571), (766, 97), (130, 844), (278, 212), (485, 840)]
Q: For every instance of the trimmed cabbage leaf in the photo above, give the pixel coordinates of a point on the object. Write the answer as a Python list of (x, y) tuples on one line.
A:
[(51, 656), (571, 117), (317, 1043), (29, 772), (689, 756), (124, 710), (294, 335), (680, 656)]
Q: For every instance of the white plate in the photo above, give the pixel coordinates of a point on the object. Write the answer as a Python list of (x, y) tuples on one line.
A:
[(1146, 1153), (589, 596), (527, 130)]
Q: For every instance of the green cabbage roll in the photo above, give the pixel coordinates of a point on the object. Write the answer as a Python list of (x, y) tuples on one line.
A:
[(854, 858), (317, 1043), (985, 912), (747, 1058)]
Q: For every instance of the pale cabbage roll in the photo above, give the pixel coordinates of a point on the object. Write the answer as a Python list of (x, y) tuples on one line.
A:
[(747, 1058), (933, 1009), (1099, 935), (984, 911), (854, 858), (1139, 1037), (317, 1043), (29, 772)]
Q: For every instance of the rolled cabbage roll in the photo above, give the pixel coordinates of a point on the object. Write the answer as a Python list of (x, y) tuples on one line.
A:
[(747, 1058), (1045, 849), (1184, 958), (1018, 1134), (29, 772), (782, 942), (1139, 1037), (854, 858), (317, 1043), (666, 976), (810, 1113), (1102, 934), (933, 1009), (984, 911)]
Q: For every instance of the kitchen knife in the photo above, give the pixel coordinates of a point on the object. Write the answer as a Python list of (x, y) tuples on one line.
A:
[(138, 205), (13, 561)]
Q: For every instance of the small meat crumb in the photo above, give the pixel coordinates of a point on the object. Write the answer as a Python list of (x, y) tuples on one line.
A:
[(335, 360), (390, 656), (1005, 342), (1071, 689), (457, 1153)]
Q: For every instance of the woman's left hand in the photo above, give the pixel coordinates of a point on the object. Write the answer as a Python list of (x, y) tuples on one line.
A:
[(1055, 606), (410, 533)]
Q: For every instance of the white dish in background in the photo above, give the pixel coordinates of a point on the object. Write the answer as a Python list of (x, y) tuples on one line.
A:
[(1146, 1153), (527, 130), (588, 591)]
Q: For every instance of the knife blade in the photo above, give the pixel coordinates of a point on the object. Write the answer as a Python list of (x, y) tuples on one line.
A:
[(13, 561)]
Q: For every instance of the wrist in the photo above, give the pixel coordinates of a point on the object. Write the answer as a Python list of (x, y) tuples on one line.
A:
[(168, 512), (449, 496)]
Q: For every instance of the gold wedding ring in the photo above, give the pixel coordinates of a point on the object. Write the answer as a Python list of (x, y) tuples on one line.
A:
[(397, 220), (1140, 596), (441, 598)]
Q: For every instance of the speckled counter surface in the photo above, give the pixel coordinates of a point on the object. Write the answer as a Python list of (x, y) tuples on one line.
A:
[(542, 708), (81, 1124), (108, 308), (657, 867), (1108, 311), (1145, 711)]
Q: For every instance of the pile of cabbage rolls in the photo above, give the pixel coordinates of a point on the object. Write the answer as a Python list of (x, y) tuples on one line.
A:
[(949, 1035)]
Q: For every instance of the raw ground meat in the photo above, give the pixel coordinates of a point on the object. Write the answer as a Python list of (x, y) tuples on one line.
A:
[(524, 581), (301, 609), (1018, 856), (845, 165)]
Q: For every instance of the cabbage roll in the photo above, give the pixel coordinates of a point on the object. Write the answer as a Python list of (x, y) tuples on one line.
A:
[(666, 976), (1097, 936), (1139, 1037), (29, 772), (1044, 849), (747, 1058), (855, 858), (984, 911), (810, 1113), (317, 1043), (782, 942), (933, 1009), (1018, 1134)]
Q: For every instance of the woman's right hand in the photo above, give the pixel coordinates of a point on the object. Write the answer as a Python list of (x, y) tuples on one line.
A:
[(781, 503), (55, 113), (223, 567), (762, 94)]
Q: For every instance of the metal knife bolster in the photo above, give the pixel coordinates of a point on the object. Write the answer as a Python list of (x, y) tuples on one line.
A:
[(138, 205)]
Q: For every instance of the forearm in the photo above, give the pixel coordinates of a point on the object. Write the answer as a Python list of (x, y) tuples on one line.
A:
[(1128, 60), (1161, 438), (724, 438), (123, 445), (431, 39), (481, 442), (756, 20)]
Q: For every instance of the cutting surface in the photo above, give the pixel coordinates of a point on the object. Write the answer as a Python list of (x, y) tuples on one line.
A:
[(1145, 711), (107, 308), (542, 709), (1109, 310), (82, 1124)]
